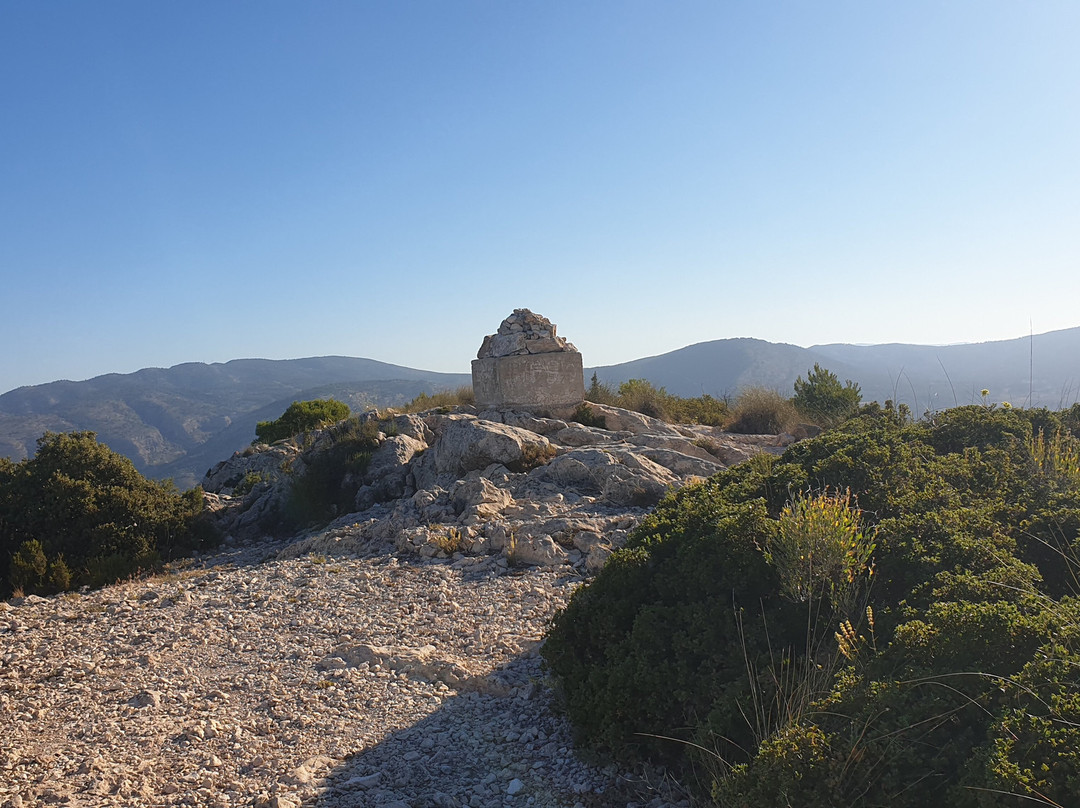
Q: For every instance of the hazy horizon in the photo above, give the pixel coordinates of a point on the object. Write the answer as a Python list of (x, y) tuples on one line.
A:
[(466, 369)]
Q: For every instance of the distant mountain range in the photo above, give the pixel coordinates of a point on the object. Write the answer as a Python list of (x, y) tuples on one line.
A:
[(177, 422), (1041, 370)]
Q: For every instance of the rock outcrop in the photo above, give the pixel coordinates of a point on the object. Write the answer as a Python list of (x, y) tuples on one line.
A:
[(387, 659), (506, 487)]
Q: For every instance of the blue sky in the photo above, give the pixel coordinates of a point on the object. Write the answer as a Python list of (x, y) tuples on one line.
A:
[(204, 181)]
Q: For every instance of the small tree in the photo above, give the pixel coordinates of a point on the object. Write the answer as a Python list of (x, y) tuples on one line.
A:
[(600, 393), (300, 417), (821, 397)]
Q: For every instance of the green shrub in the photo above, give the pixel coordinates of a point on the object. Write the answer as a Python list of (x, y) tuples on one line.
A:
[(822, 399), (645, 649), (703, 409), (762, 411), (818, 549), (946, 672), (249, 482), (585, 416), (28, 566), (601, 393), (77, 501), (301, 416), (642, 396), (333, 474)]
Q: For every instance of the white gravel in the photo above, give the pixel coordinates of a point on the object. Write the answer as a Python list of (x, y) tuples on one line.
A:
[(247, 679)]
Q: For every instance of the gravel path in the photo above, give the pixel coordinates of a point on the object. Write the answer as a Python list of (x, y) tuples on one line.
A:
[(248, 679)]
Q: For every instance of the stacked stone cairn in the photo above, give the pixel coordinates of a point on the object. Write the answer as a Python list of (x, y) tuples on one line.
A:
[(523, 333)]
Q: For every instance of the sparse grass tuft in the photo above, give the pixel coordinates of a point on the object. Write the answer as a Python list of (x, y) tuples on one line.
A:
[(448, 540), (533, 455)]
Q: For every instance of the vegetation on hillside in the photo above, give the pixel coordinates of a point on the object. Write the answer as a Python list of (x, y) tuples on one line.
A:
[(78, 513), (762, 411), (445, 398), (301, 416), (819, 399), (886, 615), (642, 396), (333, 473)]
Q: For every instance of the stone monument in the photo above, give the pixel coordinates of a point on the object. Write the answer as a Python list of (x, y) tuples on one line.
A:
[(525, 366)]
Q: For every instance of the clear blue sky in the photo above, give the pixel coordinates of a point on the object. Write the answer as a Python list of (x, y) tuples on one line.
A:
[(204, 181)]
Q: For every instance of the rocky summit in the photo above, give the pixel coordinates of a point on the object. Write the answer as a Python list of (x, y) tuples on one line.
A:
[(388, 659)]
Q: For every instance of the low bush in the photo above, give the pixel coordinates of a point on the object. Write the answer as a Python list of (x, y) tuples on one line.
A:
[(762, 411), (585, 416), (919, 649), (462, 396), (821, 399), (642, 396), (703, 409), (600, 393), (301, 416), (333, 474)]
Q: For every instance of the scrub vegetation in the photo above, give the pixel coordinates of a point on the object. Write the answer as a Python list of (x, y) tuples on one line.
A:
[(78, 513), (886, 615)]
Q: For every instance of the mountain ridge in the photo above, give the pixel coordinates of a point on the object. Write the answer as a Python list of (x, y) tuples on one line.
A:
[(177, 421)]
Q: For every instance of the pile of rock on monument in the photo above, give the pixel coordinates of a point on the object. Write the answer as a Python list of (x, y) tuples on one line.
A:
[(492, 484), (521, 334)]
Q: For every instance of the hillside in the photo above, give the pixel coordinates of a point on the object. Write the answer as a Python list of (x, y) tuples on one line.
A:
[(176, 422), (938, 377), (922, 376), (723, 367)]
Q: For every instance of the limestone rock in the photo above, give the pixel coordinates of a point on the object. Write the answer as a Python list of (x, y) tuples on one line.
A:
[(620, 420), (617, 475), (387, 473), (269, 463), (479, 499), (522, 333), (466, 444), (540, 551)]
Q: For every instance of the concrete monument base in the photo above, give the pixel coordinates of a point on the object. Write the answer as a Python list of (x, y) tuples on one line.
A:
[(533, 382)]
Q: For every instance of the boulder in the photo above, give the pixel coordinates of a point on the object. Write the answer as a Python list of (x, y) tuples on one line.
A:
[(386, 476), (620, 420), (536, 551), (617, 475), (478, 499), (467, 444)]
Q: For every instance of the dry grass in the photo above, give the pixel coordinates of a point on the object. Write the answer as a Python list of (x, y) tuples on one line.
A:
[(762, 411), (444, 398)]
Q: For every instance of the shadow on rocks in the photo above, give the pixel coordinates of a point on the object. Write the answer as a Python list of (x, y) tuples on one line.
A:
[(496, 741)]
